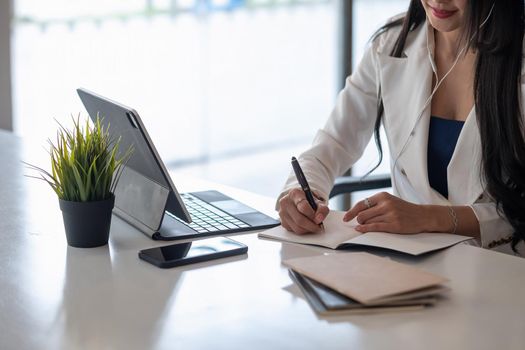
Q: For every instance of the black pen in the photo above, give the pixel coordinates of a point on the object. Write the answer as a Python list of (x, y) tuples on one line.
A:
[(304, 185)]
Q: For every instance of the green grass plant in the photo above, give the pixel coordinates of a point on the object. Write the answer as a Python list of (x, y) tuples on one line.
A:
[(85, 162)]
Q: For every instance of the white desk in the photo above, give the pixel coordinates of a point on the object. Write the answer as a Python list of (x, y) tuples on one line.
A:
[(56, 297)]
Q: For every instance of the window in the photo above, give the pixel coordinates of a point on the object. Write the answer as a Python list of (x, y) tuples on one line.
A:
[(223, 86)]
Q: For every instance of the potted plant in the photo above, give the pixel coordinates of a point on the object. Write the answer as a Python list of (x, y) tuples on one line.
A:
[(85, 168)]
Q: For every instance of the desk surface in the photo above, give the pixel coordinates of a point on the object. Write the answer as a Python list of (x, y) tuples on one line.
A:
[(56, 297)]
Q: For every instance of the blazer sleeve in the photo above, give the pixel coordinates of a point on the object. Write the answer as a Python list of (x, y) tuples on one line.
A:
[(342, 140)]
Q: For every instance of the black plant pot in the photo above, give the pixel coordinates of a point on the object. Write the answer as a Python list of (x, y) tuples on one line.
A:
[(87, 224)]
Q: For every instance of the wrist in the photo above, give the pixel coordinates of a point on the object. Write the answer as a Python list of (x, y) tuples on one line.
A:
[(436, 219)]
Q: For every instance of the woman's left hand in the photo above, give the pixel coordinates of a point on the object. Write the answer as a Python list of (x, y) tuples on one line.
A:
[(384, 212)]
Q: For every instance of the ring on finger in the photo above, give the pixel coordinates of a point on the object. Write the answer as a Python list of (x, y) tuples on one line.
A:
[(368, 203)]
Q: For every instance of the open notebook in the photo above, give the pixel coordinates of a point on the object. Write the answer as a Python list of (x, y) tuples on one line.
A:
[(340, 234), (363, 283)]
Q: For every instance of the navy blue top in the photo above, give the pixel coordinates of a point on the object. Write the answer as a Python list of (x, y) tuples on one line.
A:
[(443, 135)]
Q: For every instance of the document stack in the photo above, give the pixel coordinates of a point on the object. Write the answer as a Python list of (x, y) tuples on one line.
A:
[(363, 283)]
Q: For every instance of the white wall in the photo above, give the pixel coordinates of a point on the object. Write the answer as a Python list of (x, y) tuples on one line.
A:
[(6, 121)]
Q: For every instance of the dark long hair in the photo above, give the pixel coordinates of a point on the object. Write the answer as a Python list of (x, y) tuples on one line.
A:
[(497, 96)]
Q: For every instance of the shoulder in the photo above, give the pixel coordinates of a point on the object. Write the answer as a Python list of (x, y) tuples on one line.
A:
[(385, 38)]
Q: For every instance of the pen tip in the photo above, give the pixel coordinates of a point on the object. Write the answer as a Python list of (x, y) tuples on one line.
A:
[(293, 158)]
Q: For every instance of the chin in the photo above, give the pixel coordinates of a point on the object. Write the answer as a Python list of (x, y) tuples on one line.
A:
[(443, 26)]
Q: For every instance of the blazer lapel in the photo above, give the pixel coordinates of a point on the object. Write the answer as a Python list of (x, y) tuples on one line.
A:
[(406, 87), (463, 173)]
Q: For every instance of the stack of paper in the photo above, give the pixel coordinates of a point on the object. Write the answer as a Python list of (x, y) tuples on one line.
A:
[(362, 282)]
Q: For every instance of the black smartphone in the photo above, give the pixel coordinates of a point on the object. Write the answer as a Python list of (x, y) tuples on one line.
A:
[(193, 252)]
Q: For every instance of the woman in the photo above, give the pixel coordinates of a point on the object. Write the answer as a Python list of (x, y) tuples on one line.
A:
[(445, 81)]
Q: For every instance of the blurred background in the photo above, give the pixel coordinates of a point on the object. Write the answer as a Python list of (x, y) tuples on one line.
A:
[(225, 87)]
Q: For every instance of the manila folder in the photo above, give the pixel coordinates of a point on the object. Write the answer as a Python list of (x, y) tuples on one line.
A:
[(364, 277)]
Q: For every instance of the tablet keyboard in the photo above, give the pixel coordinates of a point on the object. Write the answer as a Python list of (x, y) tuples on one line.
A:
[(207, 218)]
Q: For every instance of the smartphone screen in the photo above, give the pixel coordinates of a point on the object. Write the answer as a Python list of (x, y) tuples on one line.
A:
[(192, 252)]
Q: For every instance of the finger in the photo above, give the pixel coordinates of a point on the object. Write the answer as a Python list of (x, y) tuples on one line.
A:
[(292, 218), (284, 222), (305, 208), (282, 215), (356, 209), (321, 213), (284, 206), (297, 195), (375, 219), (289, 200), (375, 227), (298, 198), (289, 225), (304, 223), (361, 205), (368, 214)]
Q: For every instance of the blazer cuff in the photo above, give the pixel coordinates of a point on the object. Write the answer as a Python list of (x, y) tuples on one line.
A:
[(494, 230)]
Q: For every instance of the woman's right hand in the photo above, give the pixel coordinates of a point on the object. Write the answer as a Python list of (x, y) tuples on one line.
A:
[(298, 216)]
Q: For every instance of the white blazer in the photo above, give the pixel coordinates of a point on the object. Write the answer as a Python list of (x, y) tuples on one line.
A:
[(406, 85)]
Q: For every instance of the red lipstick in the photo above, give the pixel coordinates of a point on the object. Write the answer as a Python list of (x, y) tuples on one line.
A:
[(442, 14)]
